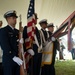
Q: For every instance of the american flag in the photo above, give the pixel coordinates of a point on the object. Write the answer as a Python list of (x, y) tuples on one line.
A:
[(31, 21), (30, 29)]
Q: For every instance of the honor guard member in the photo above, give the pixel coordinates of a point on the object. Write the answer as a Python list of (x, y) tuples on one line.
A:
[(1, 53), (44, 34), (48, 68), (35, 52), (9, 44)]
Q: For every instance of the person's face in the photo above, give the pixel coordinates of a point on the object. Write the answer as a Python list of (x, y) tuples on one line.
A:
[(51, 29), (44, 25), (12, 21)]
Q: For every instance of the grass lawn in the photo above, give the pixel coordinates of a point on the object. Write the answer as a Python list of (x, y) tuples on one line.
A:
[(66, 67)]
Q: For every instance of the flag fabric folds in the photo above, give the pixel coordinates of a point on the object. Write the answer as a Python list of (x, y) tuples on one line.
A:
[(31, 21), (30, 29)]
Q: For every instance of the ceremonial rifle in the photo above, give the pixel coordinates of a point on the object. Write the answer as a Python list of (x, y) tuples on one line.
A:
[(21, 50)]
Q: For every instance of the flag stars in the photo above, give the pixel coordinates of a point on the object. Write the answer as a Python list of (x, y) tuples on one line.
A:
[(30, 7), (28, 15), (29, 11), (31, 3)]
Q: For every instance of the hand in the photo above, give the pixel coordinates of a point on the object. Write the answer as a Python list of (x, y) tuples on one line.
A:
[(53, 38), (17, 60), (21, 41), (31, 52)]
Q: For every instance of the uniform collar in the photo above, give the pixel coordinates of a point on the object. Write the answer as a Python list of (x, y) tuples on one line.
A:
[(43, 29), (11, 27)]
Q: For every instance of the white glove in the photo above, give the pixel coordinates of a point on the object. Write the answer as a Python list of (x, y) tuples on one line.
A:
[(30, 51), (17, 60), (21, 41), (53, 39)]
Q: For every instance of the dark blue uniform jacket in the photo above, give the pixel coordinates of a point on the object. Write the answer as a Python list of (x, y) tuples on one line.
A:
[(9, 43)]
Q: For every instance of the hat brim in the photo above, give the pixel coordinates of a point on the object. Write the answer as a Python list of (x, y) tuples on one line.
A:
[(43, 23), (36, 18), (11, 16), (49, 26)]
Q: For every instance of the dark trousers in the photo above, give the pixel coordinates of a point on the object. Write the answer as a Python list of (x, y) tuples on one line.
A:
[(35, 64), (1, 69), (48, 70), (12, 69), (73, 53)]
